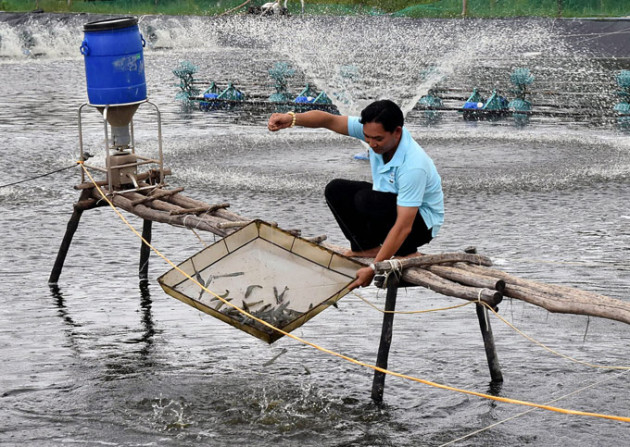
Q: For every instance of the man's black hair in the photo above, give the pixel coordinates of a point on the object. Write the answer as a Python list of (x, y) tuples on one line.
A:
[(385, 112)]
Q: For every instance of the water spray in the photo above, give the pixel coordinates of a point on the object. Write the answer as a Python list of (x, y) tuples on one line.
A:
[(279, 73), (623, 108), (431, 104), (186, 74), (520, 106)]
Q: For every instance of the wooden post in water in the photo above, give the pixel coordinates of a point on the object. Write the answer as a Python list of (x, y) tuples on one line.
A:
[(488, 341), (378, 384), (145, 250), (83, 204)]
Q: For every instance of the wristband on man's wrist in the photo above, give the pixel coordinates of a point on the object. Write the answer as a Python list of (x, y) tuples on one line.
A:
[(293, 118), (373, 267)]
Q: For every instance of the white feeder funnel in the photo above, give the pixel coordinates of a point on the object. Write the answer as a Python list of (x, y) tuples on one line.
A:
[(119, 118), (275, 276)]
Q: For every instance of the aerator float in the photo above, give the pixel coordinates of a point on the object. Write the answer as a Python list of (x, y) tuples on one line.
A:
[(213, 98), (497, 106)]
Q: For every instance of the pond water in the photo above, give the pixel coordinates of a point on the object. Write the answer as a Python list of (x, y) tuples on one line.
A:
[(100, 360)]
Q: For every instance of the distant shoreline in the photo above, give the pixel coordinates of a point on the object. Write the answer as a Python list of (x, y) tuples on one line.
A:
[(417, 9)]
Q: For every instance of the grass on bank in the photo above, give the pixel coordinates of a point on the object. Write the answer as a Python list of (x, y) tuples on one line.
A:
[(403, 8)]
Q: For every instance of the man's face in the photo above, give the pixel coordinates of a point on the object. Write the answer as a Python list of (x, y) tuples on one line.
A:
[(380, 140)]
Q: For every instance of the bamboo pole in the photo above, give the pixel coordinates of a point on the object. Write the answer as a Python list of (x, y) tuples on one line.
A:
[(443, 258), (158, 194), (151, 174), (468, 278), (169, 208), (157, 215), (559, 299), (187, 202), (432, 281), (201, 209)]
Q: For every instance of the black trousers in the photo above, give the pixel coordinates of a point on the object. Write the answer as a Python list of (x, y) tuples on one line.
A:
[(366, 216)]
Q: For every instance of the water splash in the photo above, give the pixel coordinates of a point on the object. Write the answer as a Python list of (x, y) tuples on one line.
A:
[(171, 415)]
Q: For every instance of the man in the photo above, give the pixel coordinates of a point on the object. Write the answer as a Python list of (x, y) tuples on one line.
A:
[(403, 208)]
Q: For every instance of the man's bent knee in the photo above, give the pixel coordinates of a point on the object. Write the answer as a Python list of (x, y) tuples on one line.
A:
[(333, 187)]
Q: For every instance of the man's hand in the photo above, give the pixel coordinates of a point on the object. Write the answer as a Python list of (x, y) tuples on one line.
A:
[(364, 277), (279, 121)]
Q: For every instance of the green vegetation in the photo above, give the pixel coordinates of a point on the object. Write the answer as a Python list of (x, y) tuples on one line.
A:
[(403, 8)]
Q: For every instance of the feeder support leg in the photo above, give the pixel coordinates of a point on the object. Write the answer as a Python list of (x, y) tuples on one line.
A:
[(145, 251), (378, 384), (488, 341), (73, 224)]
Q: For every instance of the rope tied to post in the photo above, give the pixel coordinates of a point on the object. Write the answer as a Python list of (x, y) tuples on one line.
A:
[(480, 302), (396, 268), (381, 279)]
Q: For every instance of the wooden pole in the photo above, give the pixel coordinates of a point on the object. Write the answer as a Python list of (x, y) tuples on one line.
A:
[(488, 341), (73, 224), (378, 384), (556, 298), (145, 251)]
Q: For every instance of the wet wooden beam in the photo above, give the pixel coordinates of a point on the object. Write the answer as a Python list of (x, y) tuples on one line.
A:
[(442, 258), (157, 194), (468, 278), (151, 174), (447, 287), (159, 211), (201, 209), (558, 299)]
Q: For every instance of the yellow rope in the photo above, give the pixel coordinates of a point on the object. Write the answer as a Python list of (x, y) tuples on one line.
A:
[(533, 340), (523, 413), (408, 312), (548, 348), (199, 237), (344, 357)]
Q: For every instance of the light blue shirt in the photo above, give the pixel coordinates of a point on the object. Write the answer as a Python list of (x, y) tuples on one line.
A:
[(410, 174)]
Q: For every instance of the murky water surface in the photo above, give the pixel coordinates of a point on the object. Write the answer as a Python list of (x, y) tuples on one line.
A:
[(99, 360)]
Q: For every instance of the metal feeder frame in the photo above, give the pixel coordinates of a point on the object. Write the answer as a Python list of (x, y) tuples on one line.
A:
[(142, 160)]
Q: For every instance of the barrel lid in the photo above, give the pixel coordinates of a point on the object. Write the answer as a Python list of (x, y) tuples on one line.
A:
[(110, 24)]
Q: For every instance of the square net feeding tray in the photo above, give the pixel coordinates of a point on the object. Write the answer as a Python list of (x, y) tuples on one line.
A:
[(273, 275)]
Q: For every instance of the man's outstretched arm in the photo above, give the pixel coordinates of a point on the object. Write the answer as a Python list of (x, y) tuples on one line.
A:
[(312, 118)]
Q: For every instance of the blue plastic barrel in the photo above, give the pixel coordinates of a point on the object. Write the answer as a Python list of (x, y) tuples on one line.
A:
[(114, 62)]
